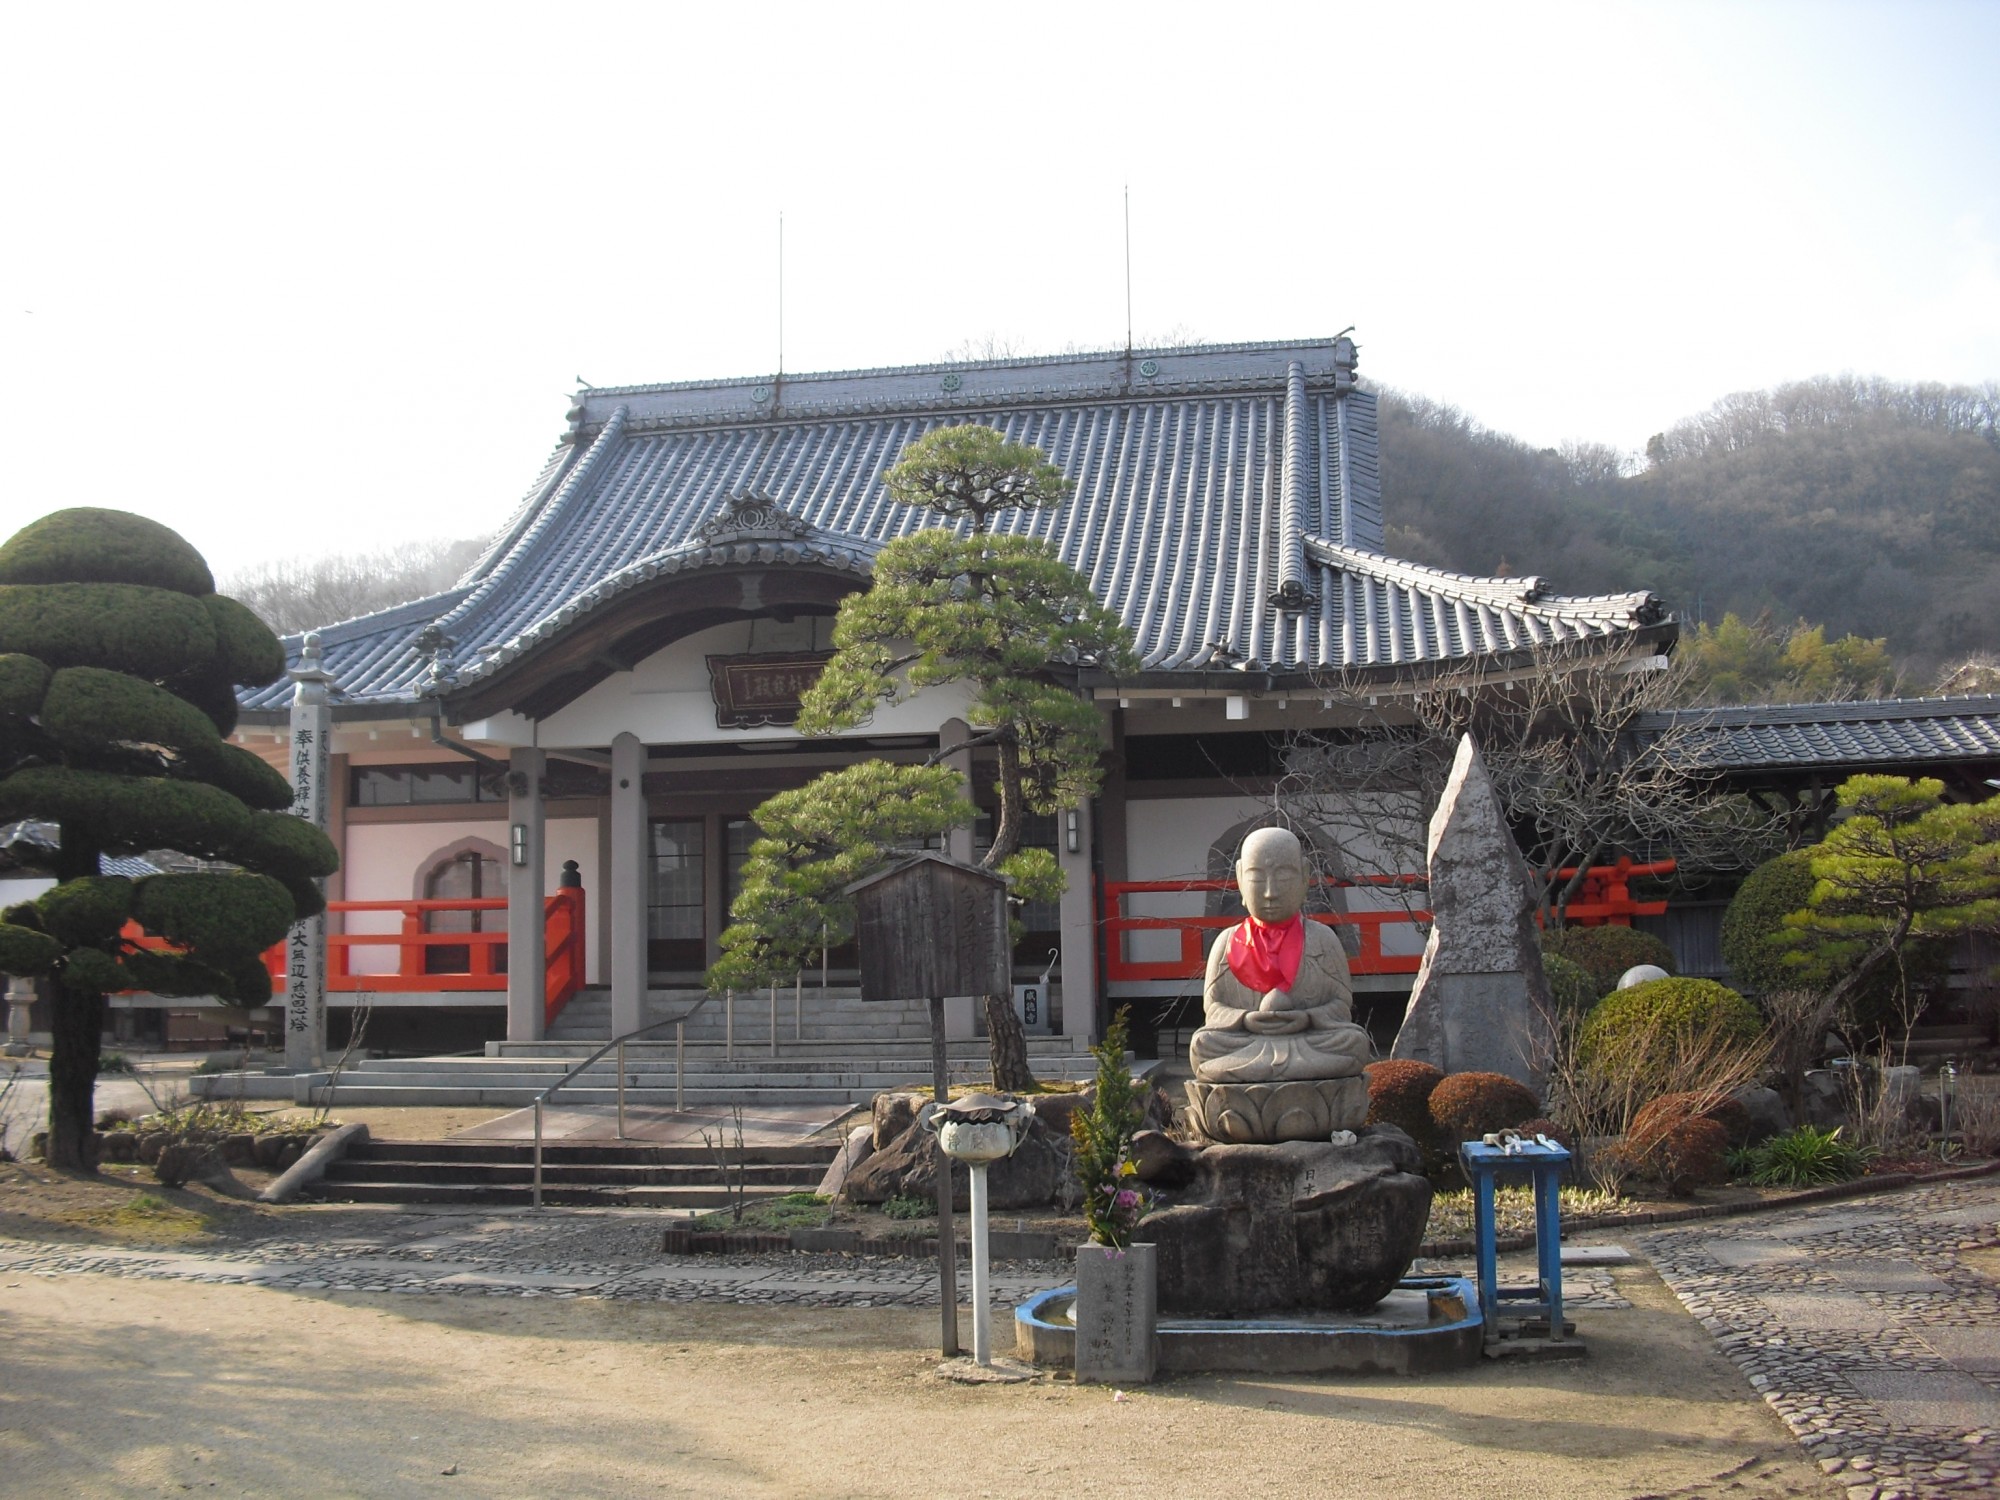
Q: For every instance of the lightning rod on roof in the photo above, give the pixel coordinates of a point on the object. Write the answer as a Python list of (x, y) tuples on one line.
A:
[(781, 293), (1128, 269)]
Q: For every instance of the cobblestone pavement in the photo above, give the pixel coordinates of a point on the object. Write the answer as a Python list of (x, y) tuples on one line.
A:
[(1871, 1326), (589, 1253)]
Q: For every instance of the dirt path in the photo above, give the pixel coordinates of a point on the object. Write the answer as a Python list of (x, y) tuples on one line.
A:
[(128, 1387)]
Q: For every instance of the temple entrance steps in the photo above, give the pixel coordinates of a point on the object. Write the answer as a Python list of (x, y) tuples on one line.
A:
[(837, 1014), (812, 1072), (602, 1173)]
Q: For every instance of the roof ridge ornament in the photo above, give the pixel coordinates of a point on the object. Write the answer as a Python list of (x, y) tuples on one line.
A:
[(752, 517)]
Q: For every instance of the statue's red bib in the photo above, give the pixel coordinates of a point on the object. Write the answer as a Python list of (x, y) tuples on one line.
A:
[(1267, 958)]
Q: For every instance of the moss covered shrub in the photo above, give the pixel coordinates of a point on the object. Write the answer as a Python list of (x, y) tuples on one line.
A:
[(1663, 1008), (1399, 1094), (1466, 1106), (1606, 952)]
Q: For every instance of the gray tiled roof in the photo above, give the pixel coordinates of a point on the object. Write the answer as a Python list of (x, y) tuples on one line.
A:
[(1881, 733), (1228, 506)]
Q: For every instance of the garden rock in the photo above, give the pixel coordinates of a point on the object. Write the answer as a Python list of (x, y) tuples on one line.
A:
[(859, 1146), (268, 1150), (120, 1145), (1032, 1177), (1301, 1225), (239, 1150), (1163, 1161), (893, 1114), (1825, 1098), (151, 1143), (1767, 1112)]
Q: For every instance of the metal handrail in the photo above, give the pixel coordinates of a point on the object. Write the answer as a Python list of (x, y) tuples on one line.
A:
[(679, 1023)]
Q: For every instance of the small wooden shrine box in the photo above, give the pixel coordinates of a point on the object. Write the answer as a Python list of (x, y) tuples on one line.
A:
[(928, 927)]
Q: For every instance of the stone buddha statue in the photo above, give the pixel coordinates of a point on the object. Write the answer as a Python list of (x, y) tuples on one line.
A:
[(1279, 1057)]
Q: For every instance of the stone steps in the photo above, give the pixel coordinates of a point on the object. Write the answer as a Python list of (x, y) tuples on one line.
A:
[(603, 1173)]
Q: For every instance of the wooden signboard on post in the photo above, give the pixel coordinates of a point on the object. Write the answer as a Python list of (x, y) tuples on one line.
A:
[(929, 927)]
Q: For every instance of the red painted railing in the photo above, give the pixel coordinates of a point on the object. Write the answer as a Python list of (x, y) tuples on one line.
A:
[(485, 952), (1605, 896), (1368, 924)]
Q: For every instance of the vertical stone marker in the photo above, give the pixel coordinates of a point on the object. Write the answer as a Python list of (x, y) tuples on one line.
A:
[(1481, 1001), (1116, 1342), (305, 948)]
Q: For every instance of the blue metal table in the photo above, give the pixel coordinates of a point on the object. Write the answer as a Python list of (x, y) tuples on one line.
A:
[(1484, 1166)]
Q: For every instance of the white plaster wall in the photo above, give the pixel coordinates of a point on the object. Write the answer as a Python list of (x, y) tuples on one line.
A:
[(383, 860), (666, 699)]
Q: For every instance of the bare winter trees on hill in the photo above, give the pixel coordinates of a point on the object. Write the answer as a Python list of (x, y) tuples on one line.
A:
[(301, 593)]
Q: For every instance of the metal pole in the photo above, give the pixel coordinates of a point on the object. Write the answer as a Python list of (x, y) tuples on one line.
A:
[(538, 1152), (680, 1067), (729, 1025), (947, 1229), (774, 1018), (621, 1091), (798, 1006), (982, 1335)]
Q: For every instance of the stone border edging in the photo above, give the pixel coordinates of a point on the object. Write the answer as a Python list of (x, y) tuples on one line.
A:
[(1002, 1244), (1832, 1192), (309, 1168)]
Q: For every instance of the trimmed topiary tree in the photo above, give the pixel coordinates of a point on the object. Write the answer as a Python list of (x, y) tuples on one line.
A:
[(1606, 952), (1669, 1005), (1466, 1106), (1399, 1094), (118, 669)]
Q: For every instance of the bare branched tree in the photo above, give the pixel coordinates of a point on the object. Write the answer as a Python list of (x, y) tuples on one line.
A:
[(302, 593), (1561, 741)]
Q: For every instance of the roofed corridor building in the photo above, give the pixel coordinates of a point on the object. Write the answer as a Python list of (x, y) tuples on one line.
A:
[(617, 675)]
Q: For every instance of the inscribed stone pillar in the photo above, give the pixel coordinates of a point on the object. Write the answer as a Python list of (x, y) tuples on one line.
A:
[(1078, 919), (627, 893), (526, 923), (305, 947), (1481, 1001)]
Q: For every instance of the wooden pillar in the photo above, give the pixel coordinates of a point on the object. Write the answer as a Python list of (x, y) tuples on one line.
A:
[(625, 894), (1078, 922), (958, 842), (526, 925)]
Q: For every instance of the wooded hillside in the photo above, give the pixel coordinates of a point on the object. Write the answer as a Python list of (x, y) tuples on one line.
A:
[(1869, 507)]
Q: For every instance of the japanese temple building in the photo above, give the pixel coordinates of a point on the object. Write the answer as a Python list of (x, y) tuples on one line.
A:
[(608, 691)]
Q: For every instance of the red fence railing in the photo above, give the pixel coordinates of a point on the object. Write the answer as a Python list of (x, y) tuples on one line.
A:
[(415, 941), (1605, 896)]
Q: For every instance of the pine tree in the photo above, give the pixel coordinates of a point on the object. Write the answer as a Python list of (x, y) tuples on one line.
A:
[(1002, 615), (118, 669)]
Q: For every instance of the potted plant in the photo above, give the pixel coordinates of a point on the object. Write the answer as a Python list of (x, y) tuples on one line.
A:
[(1116, 1277)]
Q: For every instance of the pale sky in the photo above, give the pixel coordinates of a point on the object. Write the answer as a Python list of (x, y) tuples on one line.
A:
[(297, 278)]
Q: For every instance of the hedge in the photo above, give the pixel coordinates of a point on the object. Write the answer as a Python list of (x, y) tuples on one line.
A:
[(122, 627), (88, 545), (1466, 1106)]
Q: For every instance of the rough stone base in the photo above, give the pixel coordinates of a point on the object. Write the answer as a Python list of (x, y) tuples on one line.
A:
[(1297, 1225), (1265, 1114)]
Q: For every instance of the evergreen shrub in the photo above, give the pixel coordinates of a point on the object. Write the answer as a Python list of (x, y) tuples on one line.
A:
[(246, 651), (88, 910), (224, 917), (1665, 1008), (25, 951), (23, 681), (1571, 988), (1689, 1152), (1466, 1106), (1606, 952)]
